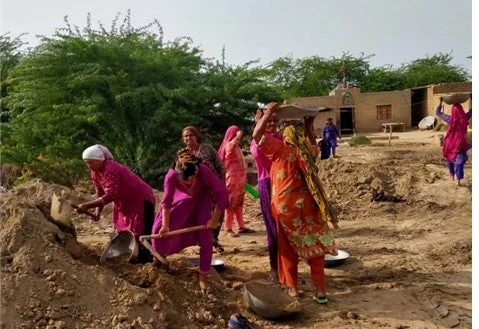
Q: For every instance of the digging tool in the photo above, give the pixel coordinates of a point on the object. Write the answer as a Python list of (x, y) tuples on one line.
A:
[(86, 212), (153, 251), (180, 231), (144, 240), (61, 209)]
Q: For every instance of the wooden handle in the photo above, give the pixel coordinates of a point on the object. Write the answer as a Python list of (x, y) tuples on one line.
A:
[(86, 212), (180, 231), (153, 252)]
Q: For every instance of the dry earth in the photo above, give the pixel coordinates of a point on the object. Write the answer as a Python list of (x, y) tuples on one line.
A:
[(406, 225)]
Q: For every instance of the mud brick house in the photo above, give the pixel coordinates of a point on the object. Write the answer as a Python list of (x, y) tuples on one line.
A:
[(356, 112)]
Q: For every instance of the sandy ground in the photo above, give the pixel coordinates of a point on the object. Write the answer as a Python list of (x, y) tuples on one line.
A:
[(404, 222)]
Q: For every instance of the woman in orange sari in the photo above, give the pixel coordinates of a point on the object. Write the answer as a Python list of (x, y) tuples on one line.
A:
[(298, 203)]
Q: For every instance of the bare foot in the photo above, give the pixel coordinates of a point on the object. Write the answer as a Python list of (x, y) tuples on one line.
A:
[(293, 292), (273, 276), (203, 281), (459, 182)]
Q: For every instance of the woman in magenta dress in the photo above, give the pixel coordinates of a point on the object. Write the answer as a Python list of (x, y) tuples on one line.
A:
[(455, 142), (190, 188), (232, 156), (133, 199)]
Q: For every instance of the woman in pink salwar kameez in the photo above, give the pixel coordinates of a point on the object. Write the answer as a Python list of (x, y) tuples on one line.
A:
[(133, 199), (232, 156), (190, 188)]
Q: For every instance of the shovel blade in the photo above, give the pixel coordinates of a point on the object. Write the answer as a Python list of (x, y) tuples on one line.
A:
[(61, 209)]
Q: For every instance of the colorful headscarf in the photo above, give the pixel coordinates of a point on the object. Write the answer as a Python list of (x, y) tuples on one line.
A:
[(295, 135), (456, 136), (97, 152), (229, 135)]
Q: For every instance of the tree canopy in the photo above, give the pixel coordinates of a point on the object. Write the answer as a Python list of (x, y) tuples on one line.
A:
[(133, 92)]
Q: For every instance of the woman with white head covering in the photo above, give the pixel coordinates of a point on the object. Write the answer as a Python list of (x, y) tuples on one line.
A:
[(133, 199)]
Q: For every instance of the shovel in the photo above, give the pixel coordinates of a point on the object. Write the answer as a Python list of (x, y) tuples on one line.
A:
[(61, 209), (144, 239)]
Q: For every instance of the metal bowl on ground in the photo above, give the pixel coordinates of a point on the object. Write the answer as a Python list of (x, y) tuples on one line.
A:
[(123, 244), (427, 122), (340, 258), (455, 98), (217, 264), (269, 301)]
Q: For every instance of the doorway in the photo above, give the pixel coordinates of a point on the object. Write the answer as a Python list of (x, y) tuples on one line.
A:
[(346, 121)]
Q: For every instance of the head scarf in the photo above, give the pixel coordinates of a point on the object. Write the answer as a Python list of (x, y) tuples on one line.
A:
[(97, 152), (229, 135), (456, 136), (185, 161), (295, 135)]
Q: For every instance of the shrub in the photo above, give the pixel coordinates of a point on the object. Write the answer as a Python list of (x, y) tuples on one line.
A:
[(359, 140)]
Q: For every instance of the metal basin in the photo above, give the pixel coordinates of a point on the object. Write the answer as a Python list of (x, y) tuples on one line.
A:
[(455, 98), (218, 264), (340, 258), (268, 300), (123, 244)]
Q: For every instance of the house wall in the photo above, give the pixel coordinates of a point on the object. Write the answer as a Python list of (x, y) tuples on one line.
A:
[(366, 111), (364, 105)]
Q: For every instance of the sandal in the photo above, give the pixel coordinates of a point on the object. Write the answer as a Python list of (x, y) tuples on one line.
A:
[(245, 230), (321, 300), (219, 248)]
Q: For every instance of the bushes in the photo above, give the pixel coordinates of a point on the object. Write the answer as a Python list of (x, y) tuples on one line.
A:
[(359, 140)]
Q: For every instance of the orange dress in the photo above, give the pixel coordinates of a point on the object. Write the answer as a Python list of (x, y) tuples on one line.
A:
[(293, 206)]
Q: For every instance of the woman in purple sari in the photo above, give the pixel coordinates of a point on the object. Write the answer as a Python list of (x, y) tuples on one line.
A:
[(263, 165), (190, 188)]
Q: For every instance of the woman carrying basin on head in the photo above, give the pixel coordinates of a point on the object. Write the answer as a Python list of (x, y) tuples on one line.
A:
[(298, 204), (263, 165), (455, 142)]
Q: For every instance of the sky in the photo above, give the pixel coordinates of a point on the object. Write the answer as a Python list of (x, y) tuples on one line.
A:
[(396, 32)]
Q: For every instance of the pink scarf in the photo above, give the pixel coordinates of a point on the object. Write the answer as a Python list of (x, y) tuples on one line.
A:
[(456, 136), (229, 135)]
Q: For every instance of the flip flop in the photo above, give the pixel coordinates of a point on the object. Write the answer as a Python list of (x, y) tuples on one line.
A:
[(219, 248), (245, 230), (321, 300)]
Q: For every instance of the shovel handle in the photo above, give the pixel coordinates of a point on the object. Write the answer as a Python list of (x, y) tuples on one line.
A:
[(92, 215), (180, 231), (153, 252)]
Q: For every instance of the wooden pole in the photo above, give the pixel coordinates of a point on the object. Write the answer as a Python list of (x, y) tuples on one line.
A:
[(390, 133)]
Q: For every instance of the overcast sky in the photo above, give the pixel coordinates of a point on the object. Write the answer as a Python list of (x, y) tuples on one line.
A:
[(395, 31)]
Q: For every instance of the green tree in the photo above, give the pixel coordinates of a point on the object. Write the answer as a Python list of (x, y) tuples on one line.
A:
[(10, 55), (433, 70), (316, 76), (125, 88)]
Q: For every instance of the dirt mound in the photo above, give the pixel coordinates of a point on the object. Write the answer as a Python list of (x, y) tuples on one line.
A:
[(50, 280), (404, 222)]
